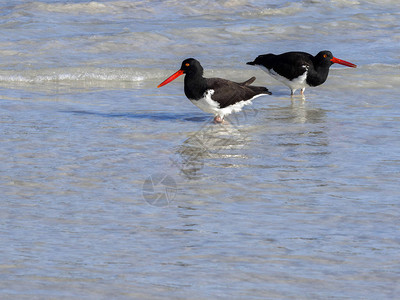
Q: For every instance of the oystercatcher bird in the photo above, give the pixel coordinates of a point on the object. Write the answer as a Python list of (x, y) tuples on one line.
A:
[(218, 96), (298, 70)]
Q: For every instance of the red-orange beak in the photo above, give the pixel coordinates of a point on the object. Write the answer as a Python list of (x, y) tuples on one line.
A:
[(170, 78), (343, 62)]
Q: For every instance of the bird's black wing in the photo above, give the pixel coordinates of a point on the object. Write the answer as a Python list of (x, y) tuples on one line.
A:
[(248, 81), (227, 92)]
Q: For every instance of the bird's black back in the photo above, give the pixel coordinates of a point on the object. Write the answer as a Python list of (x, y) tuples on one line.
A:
[(227, 92), (290, 64)]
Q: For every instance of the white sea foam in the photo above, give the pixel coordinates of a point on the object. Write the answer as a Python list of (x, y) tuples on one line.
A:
[(79, 74)]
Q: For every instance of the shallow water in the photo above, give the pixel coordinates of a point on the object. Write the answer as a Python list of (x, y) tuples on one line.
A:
[(113, 188)]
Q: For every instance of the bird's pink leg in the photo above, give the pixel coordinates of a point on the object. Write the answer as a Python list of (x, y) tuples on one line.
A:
[(218, 119)]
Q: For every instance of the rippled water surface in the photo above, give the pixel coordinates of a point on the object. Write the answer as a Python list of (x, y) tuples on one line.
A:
[(114, 189)]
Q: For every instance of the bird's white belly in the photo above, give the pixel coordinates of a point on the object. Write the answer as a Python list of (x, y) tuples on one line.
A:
[(294, 84), (207, 104)]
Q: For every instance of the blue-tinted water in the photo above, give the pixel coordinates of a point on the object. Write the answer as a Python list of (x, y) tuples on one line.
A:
[(112, 188)]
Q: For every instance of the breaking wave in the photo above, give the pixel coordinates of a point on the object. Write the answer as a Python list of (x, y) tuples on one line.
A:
[(80, 74)]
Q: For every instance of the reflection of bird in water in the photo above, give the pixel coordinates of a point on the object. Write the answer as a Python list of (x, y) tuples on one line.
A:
[(210, 142), (297, 112)]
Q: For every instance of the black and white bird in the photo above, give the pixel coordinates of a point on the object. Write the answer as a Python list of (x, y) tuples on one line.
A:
[(217, 96), (298, 70)]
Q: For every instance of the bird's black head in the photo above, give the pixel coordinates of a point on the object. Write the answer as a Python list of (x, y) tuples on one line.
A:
[(326, 58), (191, 66)]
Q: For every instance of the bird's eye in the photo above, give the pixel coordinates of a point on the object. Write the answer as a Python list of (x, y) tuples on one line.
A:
[(325, 56), (187, 64)]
